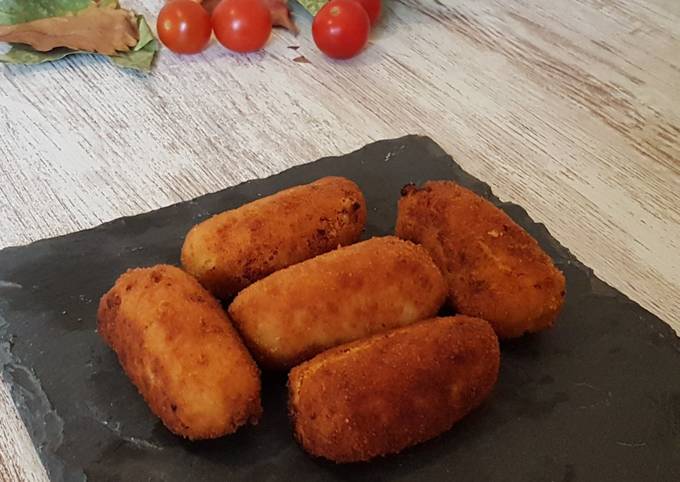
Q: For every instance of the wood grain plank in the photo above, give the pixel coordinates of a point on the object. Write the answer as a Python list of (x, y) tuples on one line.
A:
[(570, 109)]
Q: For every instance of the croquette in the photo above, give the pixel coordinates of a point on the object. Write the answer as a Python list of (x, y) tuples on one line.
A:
[(337, 297), (233, 249), (180, 350), (382, 394), (494, 269)]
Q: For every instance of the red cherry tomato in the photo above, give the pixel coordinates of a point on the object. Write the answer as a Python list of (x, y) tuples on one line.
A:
[(341, 28), (184, 26), (373, 8), (242, 25)]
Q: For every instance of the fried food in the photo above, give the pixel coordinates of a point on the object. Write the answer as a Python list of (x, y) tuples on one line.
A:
[(180, 350), (233, 249), (494, 269), (379, 395), (344, 295)]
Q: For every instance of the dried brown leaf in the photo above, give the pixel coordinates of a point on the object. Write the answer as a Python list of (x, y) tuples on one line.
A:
[(102, 30), (210, 4), (302, 60), (281, 15), (278, 9)]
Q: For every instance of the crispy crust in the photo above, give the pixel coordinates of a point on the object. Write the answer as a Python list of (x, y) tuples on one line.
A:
[(180, 350), (233, 249), (494, 269), (379, 395), (347, 294)]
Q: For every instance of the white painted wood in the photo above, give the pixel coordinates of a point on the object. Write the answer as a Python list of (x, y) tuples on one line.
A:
[(571, 109)]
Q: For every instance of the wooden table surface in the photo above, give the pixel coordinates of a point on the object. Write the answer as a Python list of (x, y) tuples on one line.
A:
[(568, 108)]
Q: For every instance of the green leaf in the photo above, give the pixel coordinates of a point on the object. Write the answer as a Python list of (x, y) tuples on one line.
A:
[(23, 54), (145, 34), (312, 6), (139, 58), (19, 11)]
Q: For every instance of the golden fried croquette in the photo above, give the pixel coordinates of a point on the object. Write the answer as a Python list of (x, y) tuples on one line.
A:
[(235, 248), (494, 269), (379, 395), (179, 348), (344, 295)]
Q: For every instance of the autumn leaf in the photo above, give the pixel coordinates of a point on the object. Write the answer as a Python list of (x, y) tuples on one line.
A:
[(278, 9), (312, 6), (20, 11), (281, 15), (139, 57), (209, 5), (23, 54), (102, 30)]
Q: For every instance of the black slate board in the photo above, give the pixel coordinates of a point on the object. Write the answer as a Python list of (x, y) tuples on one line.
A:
[(596, 398)]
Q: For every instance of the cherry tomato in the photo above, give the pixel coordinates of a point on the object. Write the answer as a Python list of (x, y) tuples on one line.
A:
[(373, 8), (341, 28), (242, 25), (184, 26)]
